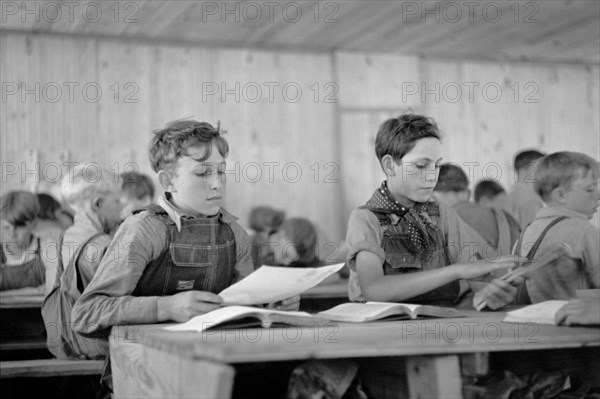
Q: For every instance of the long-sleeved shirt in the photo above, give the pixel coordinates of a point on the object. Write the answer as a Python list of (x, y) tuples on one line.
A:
[(141, 238)]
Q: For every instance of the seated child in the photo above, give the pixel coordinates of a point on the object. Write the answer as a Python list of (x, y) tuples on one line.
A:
[(171, 260), (522, 202), (489, 193), (497, 228), (137, 192), (568, 184), (52, 219), (22, 263), (404, 247), (94, 194), (295, 245), (264, 221)]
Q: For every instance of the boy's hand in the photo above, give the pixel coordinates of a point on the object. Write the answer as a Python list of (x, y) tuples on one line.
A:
[(183, 306), (289, 304), (579, 311), (497, 294)]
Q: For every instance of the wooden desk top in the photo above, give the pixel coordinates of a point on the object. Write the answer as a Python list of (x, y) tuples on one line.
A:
[(17, 302), (482, 333)]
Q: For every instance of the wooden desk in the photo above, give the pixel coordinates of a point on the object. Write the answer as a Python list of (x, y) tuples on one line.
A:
[(148, 361)]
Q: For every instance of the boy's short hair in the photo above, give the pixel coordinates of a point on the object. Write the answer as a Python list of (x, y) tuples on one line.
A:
[(19, 207), (561, 169), (303, 235), (137, 185), (397, 136), (487, 189), (87, 182), (452, 178), (48, 206), (172, 142), (525, 158), (265, 218)]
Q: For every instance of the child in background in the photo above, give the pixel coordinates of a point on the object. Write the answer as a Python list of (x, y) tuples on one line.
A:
[(568, 184), (497, 228), (295, 245), (94, 194), (264, 221), (138, 192), (489, 193), (523, 202), (403, 247), (52, 219), (22, 264)]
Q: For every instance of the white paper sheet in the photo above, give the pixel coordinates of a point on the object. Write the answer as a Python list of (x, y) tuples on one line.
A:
[(270, 284)]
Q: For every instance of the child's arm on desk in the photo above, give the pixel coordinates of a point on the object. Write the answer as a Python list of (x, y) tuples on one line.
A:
[(378, 287), (584, 311)]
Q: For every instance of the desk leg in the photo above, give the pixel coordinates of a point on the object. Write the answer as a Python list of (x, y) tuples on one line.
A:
[(434, 377), (143, 372)]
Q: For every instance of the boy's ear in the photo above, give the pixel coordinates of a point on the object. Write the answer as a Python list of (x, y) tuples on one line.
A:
[(165, 181), (389, 165), (559, 194)]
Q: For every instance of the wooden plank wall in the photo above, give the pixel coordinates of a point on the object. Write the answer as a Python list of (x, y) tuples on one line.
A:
[(330, 143), (282, 143)]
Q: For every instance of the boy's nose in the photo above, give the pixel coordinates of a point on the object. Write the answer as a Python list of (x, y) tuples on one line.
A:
[(216, 182)]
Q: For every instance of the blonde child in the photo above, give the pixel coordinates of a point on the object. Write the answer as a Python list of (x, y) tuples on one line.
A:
[(94, 194)]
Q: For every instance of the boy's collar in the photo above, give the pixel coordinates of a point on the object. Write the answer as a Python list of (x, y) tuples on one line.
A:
[(551, 211), (176, 214)]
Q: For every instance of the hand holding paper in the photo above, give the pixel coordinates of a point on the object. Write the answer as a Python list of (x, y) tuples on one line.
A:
[(270, 284)]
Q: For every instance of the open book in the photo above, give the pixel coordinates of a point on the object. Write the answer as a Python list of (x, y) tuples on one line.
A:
[(542, 313), (346, 312)]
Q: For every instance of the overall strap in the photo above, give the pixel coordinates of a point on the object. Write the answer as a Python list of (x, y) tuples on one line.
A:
[(80, 286), (59, 262), (536, 245), (503, 230)]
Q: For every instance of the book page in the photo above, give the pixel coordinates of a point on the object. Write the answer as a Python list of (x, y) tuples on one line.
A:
[(542, 313), (211, 319), (360, 312), (270, 284)]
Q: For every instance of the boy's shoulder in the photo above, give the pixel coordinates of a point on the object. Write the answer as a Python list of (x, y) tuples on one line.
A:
[(232, 221)]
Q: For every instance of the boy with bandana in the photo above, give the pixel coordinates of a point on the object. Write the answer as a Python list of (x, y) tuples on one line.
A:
[(403, 246)]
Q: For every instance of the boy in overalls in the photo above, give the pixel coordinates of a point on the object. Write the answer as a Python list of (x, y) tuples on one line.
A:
[(169, 261)]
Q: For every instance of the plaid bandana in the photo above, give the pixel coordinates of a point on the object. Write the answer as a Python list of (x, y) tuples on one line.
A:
[(415, 219)]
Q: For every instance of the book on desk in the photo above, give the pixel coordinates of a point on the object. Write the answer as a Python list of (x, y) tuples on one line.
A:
[(246, 316)]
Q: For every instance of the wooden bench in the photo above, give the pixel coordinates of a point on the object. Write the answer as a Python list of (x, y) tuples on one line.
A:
[(49, 368)]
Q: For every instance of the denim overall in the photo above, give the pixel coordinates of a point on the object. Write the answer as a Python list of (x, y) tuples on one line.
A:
[(400, 260), (202, 256)]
